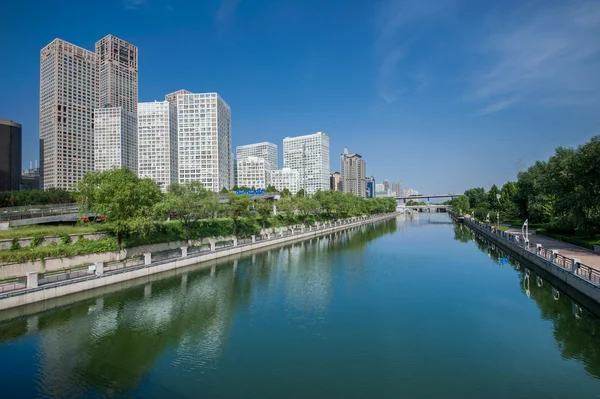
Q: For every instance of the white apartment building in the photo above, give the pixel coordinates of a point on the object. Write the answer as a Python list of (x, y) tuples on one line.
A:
[(309, 155), (117, 73), (172, 97), (286, 178), (253, 172), (353, 174), (68, 97), (267, 151), (157, 143), (204, 137), (115, 139)]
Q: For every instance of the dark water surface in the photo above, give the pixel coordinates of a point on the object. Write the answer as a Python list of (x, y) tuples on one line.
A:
[(406, 309)]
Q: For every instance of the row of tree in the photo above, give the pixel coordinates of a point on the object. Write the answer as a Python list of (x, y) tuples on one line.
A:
[(563, 192), (35, 197), (133, 205)]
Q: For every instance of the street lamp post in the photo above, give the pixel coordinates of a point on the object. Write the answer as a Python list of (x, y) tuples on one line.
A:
[(498, 220)]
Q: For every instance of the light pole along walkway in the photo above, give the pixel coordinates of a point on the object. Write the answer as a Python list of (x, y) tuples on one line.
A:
[(586, 256)]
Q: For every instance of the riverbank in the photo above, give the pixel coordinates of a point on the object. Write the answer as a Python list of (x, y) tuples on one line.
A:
[(571, 271), (100, 278)]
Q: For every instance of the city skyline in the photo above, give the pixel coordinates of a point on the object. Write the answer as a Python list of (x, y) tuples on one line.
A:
[(416, 102)]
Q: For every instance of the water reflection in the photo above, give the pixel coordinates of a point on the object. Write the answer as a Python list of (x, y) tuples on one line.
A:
[(108, 344), (576, 330)]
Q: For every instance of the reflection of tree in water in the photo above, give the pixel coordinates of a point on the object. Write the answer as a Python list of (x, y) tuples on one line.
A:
[(110, 343), (576, 331), (462, 233)]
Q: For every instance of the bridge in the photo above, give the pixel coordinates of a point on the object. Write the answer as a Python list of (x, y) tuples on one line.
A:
[(427, 208), (426, 196)]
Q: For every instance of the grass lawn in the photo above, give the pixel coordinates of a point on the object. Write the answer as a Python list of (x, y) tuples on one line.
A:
[(49, 230), (503, 228)]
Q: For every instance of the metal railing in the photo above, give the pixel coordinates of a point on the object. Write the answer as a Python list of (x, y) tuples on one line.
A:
[(570, 265), (117, 266)]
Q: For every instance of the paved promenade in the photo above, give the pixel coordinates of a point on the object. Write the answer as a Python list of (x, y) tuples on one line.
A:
[(585, 256)]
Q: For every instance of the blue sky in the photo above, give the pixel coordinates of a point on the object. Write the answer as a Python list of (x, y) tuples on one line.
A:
[(443, 94)]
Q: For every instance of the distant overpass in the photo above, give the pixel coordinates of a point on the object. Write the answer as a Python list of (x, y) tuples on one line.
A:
[(426, 196)]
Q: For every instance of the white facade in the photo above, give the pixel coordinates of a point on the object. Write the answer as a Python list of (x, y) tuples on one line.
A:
[(309, 155), (353, 174), (68, 97), (115, 139), (253, 172), (172, 97), (157, 142), (117, 73), (267, 151), (204, 137), (286, 178)]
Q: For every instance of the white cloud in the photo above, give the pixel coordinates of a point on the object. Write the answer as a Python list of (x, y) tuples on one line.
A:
[(546, 56), (226, 12), (135, 4), (399, 24)]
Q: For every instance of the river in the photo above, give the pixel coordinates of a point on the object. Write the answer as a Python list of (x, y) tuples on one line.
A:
[(414, 308)]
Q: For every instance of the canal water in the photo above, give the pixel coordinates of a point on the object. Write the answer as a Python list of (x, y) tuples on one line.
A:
[(415, 308)]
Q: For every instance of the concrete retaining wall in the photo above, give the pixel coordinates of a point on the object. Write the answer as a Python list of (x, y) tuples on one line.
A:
[(584, 287), (25, 242), (50, 291)]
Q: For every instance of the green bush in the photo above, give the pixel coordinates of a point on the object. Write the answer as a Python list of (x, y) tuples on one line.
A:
[(59, 250), (14, 244), (36, 241), (65, 239)]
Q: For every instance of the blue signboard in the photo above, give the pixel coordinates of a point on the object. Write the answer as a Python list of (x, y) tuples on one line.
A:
[(260, 192), (250, 192), (240, 192)]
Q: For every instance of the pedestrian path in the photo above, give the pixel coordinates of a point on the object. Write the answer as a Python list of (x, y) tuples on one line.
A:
[(585, 256)]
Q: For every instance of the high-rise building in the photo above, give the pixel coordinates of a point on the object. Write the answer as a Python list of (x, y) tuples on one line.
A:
[(30, 178), (309, 155), (267, 151), (380, 190), (115, 139), (157, 142), (353, 174), (396, 189), (204, 134), (68, 97), (370, 183), (386, 185), (286, 178), (172, 97), (335, 181), (10, 155), (409, 192), (253, 172), (117, 73)]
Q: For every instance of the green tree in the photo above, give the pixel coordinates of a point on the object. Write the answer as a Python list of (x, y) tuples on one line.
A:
[(285, 192), (301, 193), (493, 197), (460, 204), (127, 201), (238, 206), (270, 189), (476, 197), (184, 203)]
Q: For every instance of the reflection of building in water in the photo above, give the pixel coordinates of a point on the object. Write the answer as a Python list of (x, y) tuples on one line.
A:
[(131, 330)]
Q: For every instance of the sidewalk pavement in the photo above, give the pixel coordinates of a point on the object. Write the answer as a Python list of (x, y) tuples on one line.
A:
[(585, 256)]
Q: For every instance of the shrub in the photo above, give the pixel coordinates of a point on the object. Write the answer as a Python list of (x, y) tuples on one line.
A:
[(36, 241), (65, 239), (14, 244)]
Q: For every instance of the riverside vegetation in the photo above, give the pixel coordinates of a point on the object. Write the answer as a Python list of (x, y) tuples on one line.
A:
[(137, 212), (560, 196)]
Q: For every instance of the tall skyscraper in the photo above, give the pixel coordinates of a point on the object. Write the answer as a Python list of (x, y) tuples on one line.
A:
[(353, 174), (309, 155), (286, 178), (115, 139), (68, 97), (335, 181), (253, 172), (157, 143), (370, 182), (117, 73), (397, 188), (204, 134), (386, 185), (267, 151), (10, 155), (172, 97)]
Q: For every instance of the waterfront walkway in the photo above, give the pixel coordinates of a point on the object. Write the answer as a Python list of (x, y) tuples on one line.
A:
[(589, 258)]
